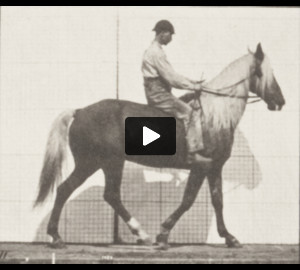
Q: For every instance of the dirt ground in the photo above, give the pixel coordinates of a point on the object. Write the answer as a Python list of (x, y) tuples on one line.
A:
[(129, 254)]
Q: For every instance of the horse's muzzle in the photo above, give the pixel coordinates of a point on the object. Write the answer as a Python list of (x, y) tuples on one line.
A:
[(272, 106)]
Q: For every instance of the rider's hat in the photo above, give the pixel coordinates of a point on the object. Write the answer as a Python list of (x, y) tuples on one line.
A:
[(164, 25)]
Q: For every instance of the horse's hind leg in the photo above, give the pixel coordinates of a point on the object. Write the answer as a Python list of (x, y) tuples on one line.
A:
[(215, 185), (112, 195), (81, 172)]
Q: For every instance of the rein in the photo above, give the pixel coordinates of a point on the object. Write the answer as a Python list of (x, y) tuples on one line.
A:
[(214, 92)]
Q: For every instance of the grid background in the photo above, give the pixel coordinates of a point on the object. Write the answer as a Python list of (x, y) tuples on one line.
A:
[(58, 58)]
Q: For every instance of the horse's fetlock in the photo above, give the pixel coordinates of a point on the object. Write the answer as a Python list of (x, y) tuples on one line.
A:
[(223, 233), (134, 226), (51, 229)]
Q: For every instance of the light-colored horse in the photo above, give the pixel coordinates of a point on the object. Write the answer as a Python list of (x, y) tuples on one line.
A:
[(96, 138)]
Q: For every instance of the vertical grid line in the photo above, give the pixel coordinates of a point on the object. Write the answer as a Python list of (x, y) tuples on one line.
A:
[(207, 197), (0, 78), (66, 236), (160, 200), (115, 216), (117, 52)]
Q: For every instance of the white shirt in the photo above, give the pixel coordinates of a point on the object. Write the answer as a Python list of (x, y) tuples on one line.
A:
[(155, 64)]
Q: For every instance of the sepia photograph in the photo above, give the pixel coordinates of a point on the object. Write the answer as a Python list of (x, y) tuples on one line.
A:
[(149, 135)]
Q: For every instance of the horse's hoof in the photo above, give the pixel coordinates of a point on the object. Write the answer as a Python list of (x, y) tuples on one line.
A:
[(58, 244), (162, 241), (233, 243), (145, 242), (162, 238), (162, 246)]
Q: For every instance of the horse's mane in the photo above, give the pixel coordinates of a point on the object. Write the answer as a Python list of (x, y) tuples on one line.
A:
[(224, 112), (231, 73)]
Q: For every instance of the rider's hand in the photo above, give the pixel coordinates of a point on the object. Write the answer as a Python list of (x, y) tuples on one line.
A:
[(198, 85), (201, 81)]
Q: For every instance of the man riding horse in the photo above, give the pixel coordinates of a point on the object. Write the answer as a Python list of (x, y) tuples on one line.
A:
[(159, 78), (95, 135)]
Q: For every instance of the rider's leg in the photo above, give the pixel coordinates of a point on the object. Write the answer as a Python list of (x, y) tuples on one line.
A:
[(193, 128), (158, 97)]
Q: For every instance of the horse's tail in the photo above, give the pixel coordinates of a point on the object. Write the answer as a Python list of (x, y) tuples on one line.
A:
[(55, 155)]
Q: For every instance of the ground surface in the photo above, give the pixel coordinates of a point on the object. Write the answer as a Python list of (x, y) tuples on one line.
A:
[(41, 253)]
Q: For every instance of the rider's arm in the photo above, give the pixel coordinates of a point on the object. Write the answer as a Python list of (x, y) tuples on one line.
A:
[(176, 80)]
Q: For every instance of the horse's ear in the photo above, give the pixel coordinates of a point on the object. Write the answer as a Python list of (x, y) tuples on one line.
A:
[(250, 51), (259, 54)]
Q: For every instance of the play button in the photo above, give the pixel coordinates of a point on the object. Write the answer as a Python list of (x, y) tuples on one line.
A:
[(149, 136)]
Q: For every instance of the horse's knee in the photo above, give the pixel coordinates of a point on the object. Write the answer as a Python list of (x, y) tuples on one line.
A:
[(218, 205), (217, 199)]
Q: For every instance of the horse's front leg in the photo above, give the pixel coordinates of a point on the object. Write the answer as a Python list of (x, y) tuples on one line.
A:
[(194, 183), (215, 185)]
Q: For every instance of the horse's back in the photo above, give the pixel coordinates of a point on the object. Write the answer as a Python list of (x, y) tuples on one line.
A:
[(133, 109), (123, 108)]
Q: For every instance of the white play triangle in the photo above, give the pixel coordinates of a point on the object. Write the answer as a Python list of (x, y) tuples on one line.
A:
[(149, 136)]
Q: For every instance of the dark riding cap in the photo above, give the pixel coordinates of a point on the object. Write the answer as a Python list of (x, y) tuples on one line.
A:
[(163, 25)]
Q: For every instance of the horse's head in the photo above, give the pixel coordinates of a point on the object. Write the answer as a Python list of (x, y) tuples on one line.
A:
[(264, 83)]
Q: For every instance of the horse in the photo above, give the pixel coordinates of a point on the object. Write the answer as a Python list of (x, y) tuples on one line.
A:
[(95, 135)]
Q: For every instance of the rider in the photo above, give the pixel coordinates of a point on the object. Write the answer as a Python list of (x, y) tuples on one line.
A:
[(159, 78)]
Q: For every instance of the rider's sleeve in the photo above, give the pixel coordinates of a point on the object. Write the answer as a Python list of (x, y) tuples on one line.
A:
[(176, 80)]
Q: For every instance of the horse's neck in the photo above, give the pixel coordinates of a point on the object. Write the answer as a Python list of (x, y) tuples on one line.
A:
[(224, 113)]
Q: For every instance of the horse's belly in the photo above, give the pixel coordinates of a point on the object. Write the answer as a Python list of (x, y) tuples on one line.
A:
[(158, 161)]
